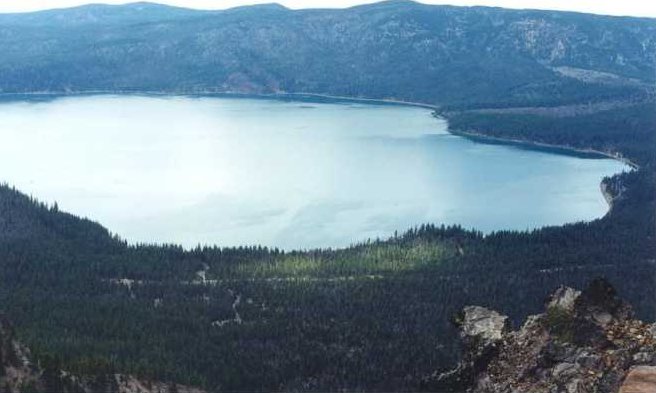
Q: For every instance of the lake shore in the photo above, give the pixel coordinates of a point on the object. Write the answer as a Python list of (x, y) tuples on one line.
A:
[(481, 137), (356, 99), (608, 197), (303, 97), (322, 99)]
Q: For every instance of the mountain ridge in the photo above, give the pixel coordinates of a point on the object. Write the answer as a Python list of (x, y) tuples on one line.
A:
[(440, 55), (155, 4)]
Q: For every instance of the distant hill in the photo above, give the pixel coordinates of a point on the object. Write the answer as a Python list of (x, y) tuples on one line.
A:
[(394, 49)]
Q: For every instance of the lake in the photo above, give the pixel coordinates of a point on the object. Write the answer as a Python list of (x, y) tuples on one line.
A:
[(237, 171)]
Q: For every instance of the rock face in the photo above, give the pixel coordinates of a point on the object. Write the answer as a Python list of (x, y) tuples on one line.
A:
[(18, 373), (16, 369), (641, 379), (483, 323), (585, 342)]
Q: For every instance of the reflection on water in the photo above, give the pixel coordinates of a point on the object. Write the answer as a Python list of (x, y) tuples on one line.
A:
[(288, 174)]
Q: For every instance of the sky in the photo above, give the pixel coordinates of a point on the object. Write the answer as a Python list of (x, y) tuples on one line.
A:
[(606, 7)]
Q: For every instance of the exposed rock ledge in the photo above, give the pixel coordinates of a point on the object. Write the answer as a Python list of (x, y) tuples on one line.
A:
[(585, 342)]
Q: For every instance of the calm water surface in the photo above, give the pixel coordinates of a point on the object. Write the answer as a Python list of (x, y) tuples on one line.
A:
[(288, 174)]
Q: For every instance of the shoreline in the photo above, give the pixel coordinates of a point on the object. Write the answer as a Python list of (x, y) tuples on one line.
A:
[(541, 145), (608, 197), (230, 94), (470, 134), (301, 97), (388, 101)]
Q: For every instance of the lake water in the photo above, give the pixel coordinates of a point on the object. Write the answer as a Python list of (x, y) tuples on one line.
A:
[(231, 171)]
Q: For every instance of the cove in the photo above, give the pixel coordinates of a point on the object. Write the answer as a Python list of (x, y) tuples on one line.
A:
[(288, 174)]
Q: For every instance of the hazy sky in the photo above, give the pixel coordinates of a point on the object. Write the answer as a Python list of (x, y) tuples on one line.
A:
[(608, 7)]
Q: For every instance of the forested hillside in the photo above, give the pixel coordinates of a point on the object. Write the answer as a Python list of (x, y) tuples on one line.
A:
[(375, 316), (395, 49)]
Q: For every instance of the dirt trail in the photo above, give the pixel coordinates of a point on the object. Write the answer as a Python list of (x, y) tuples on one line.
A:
[(237, 318)]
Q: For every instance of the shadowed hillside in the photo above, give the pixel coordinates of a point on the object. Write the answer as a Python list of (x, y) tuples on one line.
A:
[(395, 49)]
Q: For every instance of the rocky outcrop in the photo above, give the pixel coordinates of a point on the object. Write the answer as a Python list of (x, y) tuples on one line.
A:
[(481, 331), (585, 342), (19, 373), (483, 323)]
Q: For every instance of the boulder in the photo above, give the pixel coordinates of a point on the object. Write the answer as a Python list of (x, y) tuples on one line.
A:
[(564, 298), (482, 323), (641, 379)]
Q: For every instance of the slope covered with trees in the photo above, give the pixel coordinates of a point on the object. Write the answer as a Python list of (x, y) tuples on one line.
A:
[(395, 49), (375, 316)]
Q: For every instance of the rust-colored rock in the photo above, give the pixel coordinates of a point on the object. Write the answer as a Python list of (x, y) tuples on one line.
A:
[(641, 379)]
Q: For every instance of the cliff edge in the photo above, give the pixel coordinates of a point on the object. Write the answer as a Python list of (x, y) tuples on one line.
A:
[(584, 342)]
